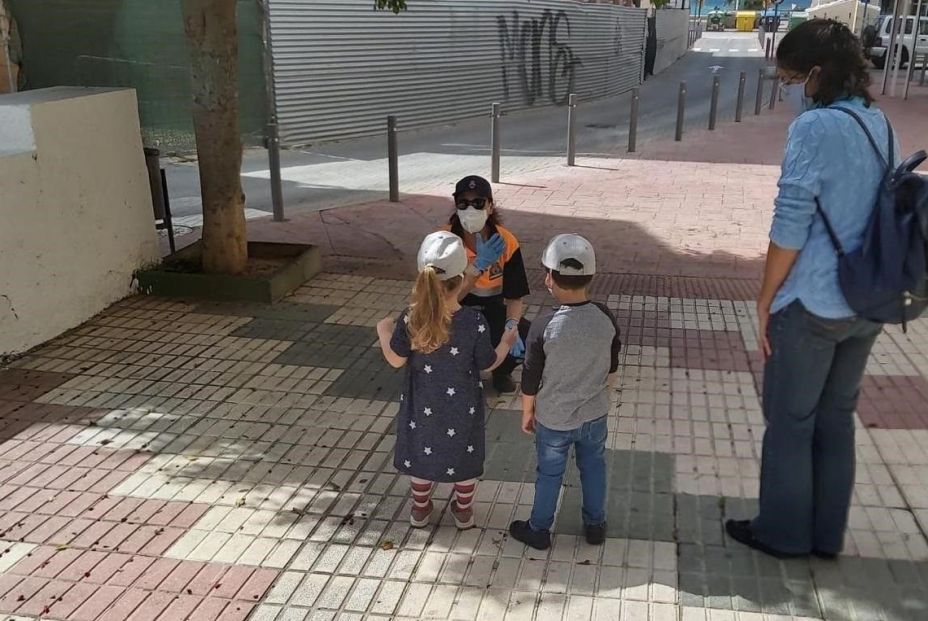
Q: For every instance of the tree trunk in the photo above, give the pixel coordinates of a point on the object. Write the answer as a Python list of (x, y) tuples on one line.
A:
[(212, 37)]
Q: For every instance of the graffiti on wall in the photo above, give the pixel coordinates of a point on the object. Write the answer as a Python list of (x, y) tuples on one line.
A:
[(534, 47), (618, 40)]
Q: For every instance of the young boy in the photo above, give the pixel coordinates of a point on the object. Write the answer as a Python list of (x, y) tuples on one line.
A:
[(569, 355)]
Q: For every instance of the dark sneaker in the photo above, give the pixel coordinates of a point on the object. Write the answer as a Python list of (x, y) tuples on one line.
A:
[(825, 556), (419, 516), (521, 531), (595, 535), (740, 531), (504, 384), (463, 518)]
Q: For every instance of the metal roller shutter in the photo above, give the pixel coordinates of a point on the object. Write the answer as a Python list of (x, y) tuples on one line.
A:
[(340, 67)]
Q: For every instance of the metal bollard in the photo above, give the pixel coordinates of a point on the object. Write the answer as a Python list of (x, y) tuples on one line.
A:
[(168, 221), (759, 104), (714, 103), (393, 160), (571, 130), (909, 73), (774, 91), (633, 122), (273, 156), (767, 46), (153, 167), (494, 142), (681, 106), (739, 106)]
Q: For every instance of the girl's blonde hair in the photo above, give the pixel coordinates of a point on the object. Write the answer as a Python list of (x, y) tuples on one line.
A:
[(430, 310)]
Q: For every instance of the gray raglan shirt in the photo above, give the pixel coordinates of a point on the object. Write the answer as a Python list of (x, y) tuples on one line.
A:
[(569, 355)]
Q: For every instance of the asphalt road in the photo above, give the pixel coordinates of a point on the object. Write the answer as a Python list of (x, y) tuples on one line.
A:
[(340, 173)]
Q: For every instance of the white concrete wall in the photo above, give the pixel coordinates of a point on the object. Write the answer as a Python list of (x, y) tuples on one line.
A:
[(672, 28), (75, 209)]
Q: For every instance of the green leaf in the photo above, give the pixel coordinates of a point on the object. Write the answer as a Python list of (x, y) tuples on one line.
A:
[(393, 5)]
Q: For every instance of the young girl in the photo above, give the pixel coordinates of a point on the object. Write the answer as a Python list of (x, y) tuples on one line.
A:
[(440, 425)]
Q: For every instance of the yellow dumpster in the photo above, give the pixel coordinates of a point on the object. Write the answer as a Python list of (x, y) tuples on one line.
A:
[(745, 20)]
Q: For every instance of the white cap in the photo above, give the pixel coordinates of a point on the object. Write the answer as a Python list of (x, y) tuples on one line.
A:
[(570, 246), (445, 252)]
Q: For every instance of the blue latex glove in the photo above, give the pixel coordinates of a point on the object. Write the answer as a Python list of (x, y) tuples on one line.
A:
[(488, 252), (518, 348)]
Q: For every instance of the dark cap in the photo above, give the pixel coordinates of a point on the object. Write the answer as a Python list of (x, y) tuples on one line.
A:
[(476, 184)]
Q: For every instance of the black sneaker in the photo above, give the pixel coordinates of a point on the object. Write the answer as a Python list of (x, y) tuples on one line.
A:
[(740, 531), (521, 531), (595, 535), (825, 556), (504, 384)]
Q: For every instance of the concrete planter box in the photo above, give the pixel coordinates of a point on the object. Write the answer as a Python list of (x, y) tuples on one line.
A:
[(285, 267)]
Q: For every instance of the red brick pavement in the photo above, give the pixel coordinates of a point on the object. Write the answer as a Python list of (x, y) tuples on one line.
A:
[(671, 227), (894, 402), (97, 557)]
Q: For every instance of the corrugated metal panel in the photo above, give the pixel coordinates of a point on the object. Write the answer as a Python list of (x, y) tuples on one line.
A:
[(340, 67)]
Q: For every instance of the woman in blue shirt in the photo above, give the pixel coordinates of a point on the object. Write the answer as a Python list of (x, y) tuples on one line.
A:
[(815, 348)]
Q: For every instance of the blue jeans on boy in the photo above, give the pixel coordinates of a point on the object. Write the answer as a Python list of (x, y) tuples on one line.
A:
[(553, 449)]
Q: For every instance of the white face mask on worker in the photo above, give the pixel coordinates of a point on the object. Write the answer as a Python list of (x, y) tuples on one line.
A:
[(472, 219)]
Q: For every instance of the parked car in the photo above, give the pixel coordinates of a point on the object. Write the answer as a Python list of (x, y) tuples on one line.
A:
[(883, 35)]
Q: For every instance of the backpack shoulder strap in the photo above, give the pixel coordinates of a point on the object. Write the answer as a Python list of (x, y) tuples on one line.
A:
[(831, 231), (892, 142), (888, 163)]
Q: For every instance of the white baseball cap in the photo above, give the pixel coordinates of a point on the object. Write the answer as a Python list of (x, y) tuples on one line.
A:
[(565, 249), (445, 252)]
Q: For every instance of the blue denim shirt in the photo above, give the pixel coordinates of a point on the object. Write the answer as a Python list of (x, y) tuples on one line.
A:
[(827, 156)]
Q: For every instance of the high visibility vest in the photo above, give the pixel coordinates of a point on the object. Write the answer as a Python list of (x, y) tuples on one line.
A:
[(490, 282)]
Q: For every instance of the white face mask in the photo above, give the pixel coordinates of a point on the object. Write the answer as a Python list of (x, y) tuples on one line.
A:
[(795, 95), (472, 219)]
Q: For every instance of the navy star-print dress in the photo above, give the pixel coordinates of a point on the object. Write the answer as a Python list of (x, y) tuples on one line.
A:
[(440, 425)]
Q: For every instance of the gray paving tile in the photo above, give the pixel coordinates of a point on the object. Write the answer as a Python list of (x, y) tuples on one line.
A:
[(321, 345), (276, 329), (699, 519), (731, 577), (314, 353), (383, 385), (803, 598), (746, 595), (510, 453), (912, 603), (504, 425), (292, 311), (719, 592), (510, 461)]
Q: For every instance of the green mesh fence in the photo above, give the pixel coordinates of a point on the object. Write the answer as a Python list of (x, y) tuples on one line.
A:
[(138, 44)]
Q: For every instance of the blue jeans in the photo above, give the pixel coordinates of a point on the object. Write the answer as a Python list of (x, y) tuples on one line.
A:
[(811, 386), (553, 449)]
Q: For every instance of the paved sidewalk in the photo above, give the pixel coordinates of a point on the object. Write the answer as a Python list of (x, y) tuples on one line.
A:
[(172, 460)]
